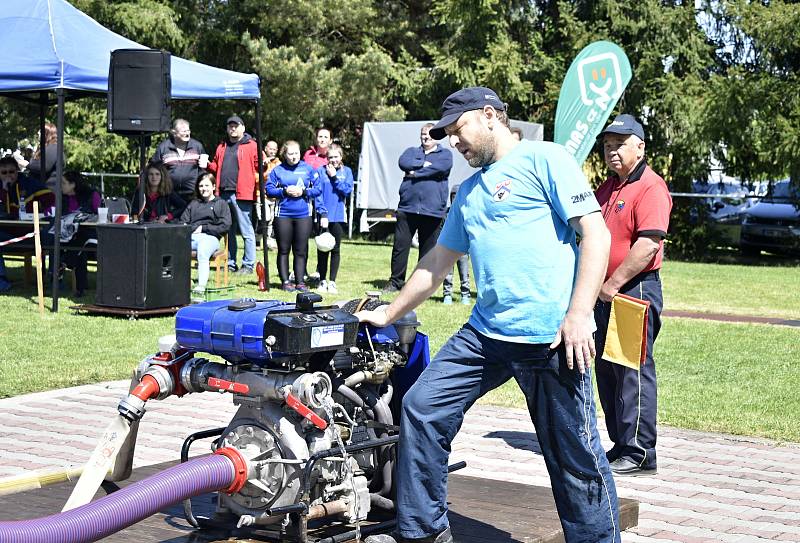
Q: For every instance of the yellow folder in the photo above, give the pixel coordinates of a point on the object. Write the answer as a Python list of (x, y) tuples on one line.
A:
[(626, 339)]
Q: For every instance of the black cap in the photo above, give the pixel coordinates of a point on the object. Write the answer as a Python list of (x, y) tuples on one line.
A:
[(624, 124), (459, 102), (234, 119)]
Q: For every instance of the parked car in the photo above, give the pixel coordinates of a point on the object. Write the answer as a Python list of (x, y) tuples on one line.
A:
[(773, 223), (725, 207)]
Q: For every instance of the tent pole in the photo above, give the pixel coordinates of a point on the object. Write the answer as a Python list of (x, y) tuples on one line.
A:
[(54, 259), (42, 120), (143, 144), (262, 193)]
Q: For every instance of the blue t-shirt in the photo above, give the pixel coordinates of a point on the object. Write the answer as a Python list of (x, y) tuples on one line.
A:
[(512, 218)]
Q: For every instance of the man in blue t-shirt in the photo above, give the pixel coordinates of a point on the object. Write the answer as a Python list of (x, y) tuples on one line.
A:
[(517, 218)]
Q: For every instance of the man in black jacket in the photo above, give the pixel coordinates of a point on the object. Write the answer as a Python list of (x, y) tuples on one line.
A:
[(184, 157), (423, 202)]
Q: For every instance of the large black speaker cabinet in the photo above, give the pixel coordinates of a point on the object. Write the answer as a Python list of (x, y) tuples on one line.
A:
[(139, 91), (143, 266)]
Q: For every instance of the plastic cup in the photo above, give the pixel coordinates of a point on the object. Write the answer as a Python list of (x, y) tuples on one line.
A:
[(102, 215), (203, 161)]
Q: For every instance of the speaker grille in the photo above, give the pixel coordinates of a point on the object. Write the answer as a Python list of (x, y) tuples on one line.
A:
[(143, 266), (139, 91)]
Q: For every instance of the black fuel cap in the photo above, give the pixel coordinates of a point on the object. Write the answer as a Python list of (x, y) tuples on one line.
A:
[(241, 305)]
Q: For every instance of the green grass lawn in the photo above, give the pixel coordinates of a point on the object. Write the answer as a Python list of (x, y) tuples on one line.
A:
[(768, 291), (736, 378)]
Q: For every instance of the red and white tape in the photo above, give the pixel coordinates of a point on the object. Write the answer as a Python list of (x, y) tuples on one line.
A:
[(15, 240)]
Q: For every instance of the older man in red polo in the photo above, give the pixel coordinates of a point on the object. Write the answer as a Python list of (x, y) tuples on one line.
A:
[(636, 205)]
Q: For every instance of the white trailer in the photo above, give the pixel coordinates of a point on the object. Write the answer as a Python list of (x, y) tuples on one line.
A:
[(378, 178)]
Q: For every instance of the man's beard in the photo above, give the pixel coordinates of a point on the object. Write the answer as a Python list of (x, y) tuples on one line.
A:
[(482, 152)]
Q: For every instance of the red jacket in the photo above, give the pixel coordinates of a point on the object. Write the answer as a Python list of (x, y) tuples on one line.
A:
[(247, 153), (314, 158)]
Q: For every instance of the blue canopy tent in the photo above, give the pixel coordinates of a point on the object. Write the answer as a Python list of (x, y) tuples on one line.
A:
[(50, 47)]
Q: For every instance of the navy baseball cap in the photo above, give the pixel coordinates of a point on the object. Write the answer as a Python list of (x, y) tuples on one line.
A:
[(624, 124), (459, 102), (234, 119)]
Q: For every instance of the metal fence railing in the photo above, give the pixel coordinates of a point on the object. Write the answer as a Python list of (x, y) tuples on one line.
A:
[(112, 184)]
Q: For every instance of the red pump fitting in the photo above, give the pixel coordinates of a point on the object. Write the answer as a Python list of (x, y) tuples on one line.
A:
[(293, 402), (228, 386), (239, 468), (147, 388)]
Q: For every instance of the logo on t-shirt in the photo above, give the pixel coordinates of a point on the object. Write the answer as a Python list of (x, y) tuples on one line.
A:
[(618, 207), (502, 191)]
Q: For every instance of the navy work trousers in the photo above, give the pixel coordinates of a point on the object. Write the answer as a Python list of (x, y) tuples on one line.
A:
[(561, 405), (629, 397)]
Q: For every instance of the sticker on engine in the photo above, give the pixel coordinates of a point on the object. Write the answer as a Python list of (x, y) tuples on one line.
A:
[(327, 336)]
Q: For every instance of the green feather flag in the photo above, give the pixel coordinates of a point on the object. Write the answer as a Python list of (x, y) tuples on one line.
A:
[(594, 83)]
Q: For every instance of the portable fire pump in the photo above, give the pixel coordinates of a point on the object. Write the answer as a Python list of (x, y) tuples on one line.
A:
[(313, 439)]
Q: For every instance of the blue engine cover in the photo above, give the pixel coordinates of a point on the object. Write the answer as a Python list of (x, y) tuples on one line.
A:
[(236, 329), (234, 335)]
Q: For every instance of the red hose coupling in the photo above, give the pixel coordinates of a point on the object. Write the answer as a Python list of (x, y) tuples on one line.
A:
[(147, 388), (239, 469)]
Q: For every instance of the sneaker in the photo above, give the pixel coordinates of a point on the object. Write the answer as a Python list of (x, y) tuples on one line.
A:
[(314, 276), (233, 268), (301, 287), (288, 286), (390, 288), (332, 287), (628, 468), (323, 286), (442, 537), (447, 300), (613, 453), (244, 270), (465, 300)]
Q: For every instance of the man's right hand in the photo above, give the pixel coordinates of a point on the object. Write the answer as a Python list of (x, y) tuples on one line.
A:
[(376, 317)]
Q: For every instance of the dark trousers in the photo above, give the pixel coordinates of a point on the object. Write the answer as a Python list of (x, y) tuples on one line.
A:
[(292, 235), (337, 231), (629, 397), (407, 225), (561, 406)]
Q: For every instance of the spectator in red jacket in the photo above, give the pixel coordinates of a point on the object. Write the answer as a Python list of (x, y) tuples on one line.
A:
[(317, 155), (235, 165)]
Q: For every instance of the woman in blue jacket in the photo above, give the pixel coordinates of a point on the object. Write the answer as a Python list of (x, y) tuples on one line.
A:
[(294, 185), (336, 181)]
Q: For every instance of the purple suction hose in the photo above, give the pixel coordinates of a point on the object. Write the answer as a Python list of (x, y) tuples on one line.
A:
[(127, 506)]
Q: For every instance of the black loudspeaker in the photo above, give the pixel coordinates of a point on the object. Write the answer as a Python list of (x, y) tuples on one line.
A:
[(143, 266), (139, 91)]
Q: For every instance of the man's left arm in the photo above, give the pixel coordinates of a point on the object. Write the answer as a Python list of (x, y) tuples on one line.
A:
[(576, 330), (642, 252)]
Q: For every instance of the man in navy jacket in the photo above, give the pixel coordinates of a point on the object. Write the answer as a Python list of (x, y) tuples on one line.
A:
[(423, 202)]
